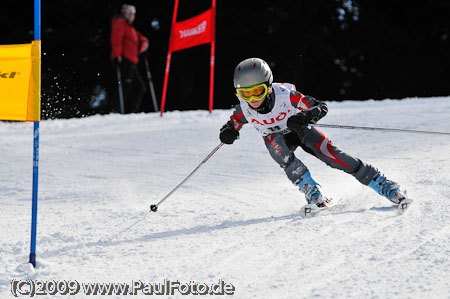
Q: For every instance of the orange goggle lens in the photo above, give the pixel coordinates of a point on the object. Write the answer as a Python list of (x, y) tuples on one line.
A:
[(257, 92)]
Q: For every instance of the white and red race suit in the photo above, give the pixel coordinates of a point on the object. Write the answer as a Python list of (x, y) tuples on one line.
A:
[(281, 142)]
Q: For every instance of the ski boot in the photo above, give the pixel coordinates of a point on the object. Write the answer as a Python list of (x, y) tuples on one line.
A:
[(391, 190), (313, 194)]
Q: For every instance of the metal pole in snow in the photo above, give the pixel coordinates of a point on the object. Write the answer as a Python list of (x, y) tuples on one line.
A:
[(154, 207), (150, 84), (32, 260), (120, 90)]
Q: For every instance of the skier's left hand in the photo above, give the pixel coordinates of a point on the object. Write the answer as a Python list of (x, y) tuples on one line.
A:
[(305, 117)]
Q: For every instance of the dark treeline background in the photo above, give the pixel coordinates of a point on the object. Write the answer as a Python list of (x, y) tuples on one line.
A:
[(331, 49)]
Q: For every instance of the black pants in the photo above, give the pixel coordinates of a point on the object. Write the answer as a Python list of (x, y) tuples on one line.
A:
[(281, 148), (132, 85)]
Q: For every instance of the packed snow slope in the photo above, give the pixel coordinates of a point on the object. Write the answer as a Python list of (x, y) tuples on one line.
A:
[(237, 219)]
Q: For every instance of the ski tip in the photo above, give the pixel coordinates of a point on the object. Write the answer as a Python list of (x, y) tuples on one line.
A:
[(404, 205), (309, 210)]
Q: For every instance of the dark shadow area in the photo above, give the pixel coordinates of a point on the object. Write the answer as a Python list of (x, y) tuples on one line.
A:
[(333, 50)]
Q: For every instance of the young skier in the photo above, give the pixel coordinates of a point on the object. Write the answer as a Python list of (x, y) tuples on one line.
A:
[(282, 115)]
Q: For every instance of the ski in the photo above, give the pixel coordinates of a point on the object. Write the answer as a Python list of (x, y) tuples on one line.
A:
[(404, 205), (311, 210)]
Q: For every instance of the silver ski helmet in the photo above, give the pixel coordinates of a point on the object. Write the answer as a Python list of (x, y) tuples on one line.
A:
[(252, 71)]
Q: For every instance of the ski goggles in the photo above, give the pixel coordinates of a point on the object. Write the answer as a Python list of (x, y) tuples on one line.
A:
[(255, 92)]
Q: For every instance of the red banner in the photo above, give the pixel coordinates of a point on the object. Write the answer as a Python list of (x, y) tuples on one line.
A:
[(192, 32)]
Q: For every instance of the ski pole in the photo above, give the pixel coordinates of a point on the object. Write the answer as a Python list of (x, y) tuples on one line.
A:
[(154, 207), (119, 83), (150, 84), (379, 129)]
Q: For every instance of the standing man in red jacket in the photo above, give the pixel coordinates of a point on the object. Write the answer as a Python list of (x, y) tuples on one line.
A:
[(126, 44)]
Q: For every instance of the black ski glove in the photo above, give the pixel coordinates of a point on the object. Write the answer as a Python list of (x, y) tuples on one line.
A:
[(305, 117), (228, 134)]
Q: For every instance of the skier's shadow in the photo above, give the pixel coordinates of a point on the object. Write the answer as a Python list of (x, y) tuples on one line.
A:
[(384, 209), (240, 223), (169, 234), (207, 228), (200, 229)]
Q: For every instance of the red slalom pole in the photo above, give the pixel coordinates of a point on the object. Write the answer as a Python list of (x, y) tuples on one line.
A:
[(211, 81), (166, 78), (213, 45), (169, 56)]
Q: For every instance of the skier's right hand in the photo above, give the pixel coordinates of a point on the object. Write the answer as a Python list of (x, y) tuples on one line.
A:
[(228, 134)]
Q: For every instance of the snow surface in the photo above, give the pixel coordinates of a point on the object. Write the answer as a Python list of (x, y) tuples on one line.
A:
[(237, 219)]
